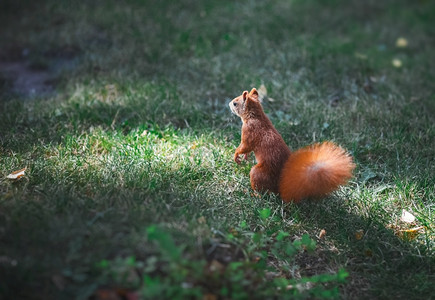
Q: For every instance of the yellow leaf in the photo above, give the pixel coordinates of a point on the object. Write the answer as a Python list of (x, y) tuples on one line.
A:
[(396, 62), (17, 174), (410, 234), (401, 42)]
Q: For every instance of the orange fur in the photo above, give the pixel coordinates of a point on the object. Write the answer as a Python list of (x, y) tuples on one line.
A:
[(314, 171)]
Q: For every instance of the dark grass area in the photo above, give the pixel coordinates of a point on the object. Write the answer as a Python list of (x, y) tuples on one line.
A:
[(127, 126)]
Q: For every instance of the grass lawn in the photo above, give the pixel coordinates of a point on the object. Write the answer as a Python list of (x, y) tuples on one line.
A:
[(119, 112)]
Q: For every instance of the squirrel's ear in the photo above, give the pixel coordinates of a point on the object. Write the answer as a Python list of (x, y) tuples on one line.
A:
[(245, 95), (254, 93)]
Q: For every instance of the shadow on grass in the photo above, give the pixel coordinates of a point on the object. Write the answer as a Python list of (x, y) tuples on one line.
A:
[(379, 261), (56, 231)]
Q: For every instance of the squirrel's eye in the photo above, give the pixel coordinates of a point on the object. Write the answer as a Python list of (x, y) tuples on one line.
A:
[(235, 103)]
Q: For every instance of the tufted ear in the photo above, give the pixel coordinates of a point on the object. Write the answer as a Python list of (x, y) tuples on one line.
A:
[(254, 94), (245, 95)]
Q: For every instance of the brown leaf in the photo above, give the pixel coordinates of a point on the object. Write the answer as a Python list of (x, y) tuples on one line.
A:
[(17, 174), (215, 266), (368, 252), (359, 234), (108, 293), (322, 234), (209, 297)]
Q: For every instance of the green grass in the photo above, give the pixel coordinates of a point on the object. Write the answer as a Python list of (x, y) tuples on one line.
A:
[(130, 181)]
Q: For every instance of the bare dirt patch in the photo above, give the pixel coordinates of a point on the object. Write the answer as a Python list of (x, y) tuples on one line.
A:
[(23, 77), (22, 80)]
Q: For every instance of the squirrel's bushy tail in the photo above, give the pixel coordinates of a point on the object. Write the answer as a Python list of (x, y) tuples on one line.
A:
[(315, 171)]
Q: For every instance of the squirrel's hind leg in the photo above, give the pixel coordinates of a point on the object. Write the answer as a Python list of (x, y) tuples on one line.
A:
[(261, 180)]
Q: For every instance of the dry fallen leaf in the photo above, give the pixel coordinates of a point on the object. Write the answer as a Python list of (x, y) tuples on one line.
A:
[(216, 266), (16, 175), (322, 234), (401, 42), (359, 234), (396, 63), (262, 92), (410, 234), (109, 293), (368, 252), (234, 232), (361, 56), (209, 296), (407, 217), (374, 79)]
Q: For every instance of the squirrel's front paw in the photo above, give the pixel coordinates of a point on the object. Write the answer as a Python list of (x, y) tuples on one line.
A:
[(237, 158)]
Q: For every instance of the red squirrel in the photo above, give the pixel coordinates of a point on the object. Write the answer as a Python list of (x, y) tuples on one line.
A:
[(311, 172)]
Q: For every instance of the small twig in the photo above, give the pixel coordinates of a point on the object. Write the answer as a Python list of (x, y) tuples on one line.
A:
[(114, 119)]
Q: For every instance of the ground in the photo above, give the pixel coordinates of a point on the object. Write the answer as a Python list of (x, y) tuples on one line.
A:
[(118, 112)]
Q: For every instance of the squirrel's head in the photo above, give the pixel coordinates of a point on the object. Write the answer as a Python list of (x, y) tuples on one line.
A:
[(247, 104)]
